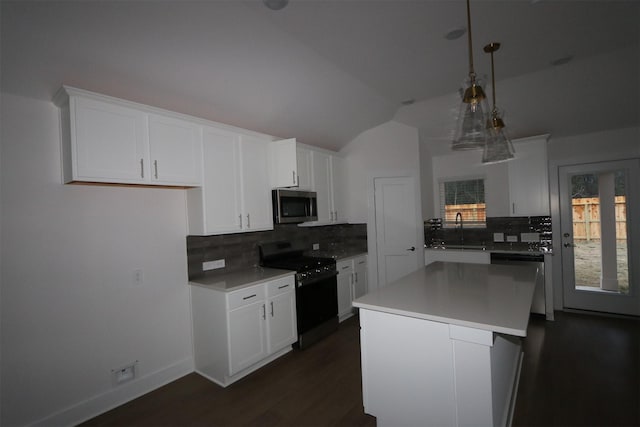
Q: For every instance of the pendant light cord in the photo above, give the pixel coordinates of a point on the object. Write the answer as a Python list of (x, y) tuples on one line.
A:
[(472, 73)]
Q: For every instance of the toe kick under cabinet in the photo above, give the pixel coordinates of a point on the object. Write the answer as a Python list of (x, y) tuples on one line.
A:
[(237, 332)]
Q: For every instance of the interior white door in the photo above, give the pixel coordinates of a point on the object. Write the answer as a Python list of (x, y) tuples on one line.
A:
[(600, 226), (397, 228)]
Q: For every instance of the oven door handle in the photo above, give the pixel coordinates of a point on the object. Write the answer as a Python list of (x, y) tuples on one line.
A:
[(318, 279)]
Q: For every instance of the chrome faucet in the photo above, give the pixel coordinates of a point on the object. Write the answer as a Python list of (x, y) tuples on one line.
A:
[(459, 217)]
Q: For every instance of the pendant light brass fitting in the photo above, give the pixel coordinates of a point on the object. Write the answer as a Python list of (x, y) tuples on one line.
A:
[(473, 94), (495, 121), (492, 47)]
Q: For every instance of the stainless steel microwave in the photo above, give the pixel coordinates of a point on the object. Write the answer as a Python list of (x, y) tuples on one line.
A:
[(292, 206)]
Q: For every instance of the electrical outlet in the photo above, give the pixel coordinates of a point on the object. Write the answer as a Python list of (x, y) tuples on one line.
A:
[(138, 277), (213, 265), (498, 237), (512, 239), (124, 374), (316, 246)]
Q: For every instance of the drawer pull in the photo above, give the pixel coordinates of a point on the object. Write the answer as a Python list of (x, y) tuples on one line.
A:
[(283, 286), (249, 297)]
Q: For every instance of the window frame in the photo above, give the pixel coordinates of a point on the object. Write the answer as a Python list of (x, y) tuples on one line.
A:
[(441, 196)]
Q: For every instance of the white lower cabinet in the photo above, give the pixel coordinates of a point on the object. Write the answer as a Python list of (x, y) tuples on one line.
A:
[(360, 282), (352, 284), (237, 332), (345, 291)]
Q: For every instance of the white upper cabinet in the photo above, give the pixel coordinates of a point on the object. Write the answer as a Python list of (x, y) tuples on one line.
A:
[(175, 151), (284, 165), (338, 189), (107, 140), (256, 191), (216, 207), (321, 166), (328, 183), (303, 161), (529, 177), (235, 194)]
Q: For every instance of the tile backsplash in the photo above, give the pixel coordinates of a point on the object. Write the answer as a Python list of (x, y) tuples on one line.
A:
[(240, 250), (518, 233)]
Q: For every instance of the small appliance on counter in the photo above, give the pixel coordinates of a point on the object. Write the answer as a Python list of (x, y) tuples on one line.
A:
[(294, 206), (316, 289)]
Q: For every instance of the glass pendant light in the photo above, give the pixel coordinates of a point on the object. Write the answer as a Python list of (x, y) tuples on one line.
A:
[(471, 132), (498, 147)]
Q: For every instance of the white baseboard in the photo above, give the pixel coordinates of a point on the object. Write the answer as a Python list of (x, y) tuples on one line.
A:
[(104, 402)]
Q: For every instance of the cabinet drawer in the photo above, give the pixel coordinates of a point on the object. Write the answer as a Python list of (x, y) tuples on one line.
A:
[(280, 286), (245, 296), (344, 267)]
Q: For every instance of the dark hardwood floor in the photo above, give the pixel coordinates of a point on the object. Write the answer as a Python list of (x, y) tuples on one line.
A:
[(578, 370)]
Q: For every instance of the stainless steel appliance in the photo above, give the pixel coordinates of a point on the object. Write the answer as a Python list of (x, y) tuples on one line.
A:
[(514, 258), (316, 289), (294, 206)]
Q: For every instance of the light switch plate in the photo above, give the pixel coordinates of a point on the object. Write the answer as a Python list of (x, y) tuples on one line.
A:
[(512, 238), (530, 237), (316, 246), (498, 237), (212, 265)]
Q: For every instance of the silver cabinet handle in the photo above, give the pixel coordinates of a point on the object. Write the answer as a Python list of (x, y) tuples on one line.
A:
[(513, 207), (336, 215), (141, 168), (248, 221), (240, 219), (249, 297), (294, 177), (283, 286), (412, 248), (264, 312), (155, 166), (271, 308)]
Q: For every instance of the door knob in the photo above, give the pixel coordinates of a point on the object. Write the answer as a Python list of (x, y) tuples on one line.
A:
[(412, 248), (569, 245)]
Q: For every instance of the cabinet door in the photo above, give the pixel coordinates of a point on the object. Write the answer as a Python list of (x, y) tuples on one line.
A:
[(360, 286), (284, 165), (256, 191), (109, 142), (247, 338), (345, 277), (338, 189), (221, 182), (528, 178), (322, 185), (175, 151), (281, 313), (303, 160)]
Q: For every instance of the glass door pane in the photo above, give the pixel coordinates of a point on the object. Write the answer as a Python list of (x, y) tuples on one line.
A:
[(599, 213)]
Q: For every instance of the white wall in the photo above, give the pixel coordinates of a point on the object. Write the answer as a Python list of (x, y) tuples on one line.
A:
[(388, 150), (70, 309), (391, 148)]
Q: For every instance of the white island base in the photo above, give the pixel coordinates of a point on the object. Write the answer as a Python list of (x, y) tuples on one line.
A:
[(446, 375), (442, 346)]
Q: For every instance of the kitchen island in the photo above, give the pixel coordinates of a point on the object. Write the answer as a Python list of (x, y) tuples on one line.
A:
[(442, 346)]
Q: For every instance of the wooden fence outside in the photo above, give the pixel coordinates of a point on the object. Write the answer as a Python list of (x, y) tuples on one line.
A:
[(476, 212), (586, 218)]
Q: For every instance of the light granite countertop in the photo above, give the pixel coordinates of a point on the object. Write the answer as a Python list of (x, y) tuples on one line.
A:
[(240, 279), (490, 297)]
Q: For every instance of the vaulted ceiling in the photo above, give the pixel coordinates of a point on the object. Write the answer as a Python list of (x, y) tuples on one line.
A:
[(324, 71)]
